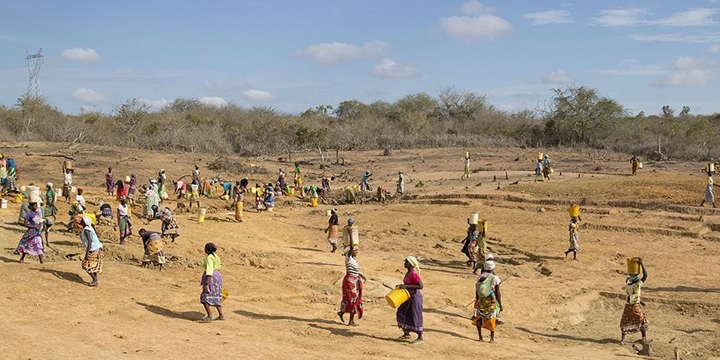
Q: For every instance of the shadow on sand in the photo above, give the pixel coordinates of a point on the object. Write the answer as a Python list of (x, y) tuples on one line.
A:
[(570, 337), (64, 275), (681, 289), (285, 318), (186, 315), (348, 332)]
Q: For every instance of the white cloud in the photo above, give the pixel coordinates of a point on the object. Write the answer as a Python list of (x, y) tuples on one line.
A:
[(335, 52), (549, 17), (259, 95), (213, 101), (481, 27), (88, 96), (697, 38), (475, 7), (559, 77), (621, 17), (715, 48), (690, 72), (225, 85), (692, 17), (155, 104), (80, 54), (685, 79), (632, 68), (391, 69), (639, 16)]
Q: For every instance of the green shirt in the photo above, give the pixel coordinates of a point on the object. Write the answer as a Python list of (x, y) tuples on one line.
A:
[(211, 263)]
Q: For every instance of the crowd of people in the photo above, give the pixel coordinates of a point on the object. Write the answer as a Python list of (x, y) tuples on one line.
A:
[(38, 215)]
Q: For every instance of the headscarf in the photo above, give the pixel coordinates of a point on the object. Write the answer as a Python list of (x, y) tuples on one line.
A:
[(489, 265), (351, 221), (631, 279), (413, 262), (50, 185), (87, 221)]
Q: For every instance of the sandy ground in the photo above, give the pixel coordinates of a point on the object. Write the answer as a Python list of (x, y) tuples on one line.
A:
[(284, 284)]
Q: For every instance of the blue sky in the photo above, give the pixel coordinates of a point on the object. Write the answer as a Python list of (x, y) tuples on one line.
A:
[(294, 54)]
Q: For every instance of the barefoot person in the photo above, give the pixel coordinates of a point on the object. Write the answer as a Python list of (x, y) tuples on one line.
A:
[(92, 262), (333, 230), (352, 288), (124, 224), (31, 241), (633, 317), (709, 190), (109, 181), (409, 315), (212, 283), (153, 246), (574, 246), (488, 303), (50, 201)]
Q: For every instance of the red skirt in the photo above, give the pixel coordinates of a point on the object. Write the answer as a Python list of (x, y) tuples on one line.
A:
[(352, 301)]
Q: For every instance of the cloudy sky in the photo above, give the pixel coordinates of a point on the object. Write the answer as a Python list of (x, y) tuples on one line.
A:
[(295, 54)]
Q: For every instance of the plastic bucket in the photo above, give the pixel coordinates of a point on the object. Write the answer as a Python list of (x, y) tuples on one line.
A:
[(711, 167), (18, 198), (314, 202), (633, 266), (33, 192), (3, 204), (474, 218), (485, 225), (540, 156), (467, 154), (201, 215), (639, 165), (67, 164), (574, 210), (127, 179), (397, 297), (292, 191), (328, 213)]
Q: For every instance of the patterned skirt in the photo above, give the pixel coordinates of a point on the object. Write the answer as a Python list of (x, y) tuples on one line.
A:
[(333, 234), (487, 310), (409, 315), (574, 246), (31, 243), (154, 253), (93, 263), (352, 301), (633, 319), (213, 296), (125, 227)]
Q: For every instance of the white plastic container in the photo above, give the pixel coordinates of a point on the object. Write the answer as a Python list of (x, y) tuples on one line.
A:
[(33, 193), (474, 218), (3, 204)]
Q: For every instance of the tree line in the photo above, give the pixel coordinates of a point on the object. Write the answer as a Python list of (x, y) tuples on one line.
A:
[(573, 117)]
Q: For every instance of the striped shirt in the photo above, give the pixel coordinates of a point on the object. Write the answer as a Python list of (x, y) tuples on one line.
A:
[(351, 265)]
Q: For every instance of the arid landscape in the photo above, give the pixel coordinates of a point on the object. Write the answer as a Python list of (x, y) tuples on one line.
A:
[(284, 284)]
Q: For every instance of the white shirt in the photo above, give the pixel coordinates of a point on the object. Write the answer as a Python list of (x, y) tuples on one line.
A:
[(80, 199), (68, 178), (122, 210)]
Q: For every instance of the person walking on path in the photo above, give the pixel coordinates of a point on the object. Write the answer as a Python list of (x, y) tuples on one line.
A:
[(633, 317), (709, 190), (409, 315), (212, 284)]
